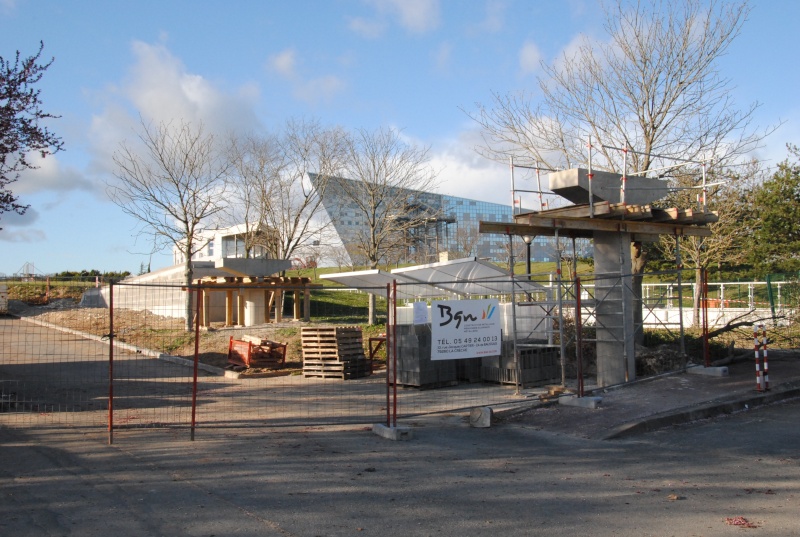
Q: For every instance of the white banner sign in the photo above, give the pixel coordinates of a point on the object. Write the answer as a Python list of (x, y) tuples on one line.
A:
[(465, 329), (420, 313)]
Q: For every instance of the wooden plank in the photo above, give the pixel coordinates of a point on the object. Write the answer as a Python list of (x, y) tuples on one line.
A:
[(629, 212), (683, 216), (585, 227), (577, 211), (343, 370)]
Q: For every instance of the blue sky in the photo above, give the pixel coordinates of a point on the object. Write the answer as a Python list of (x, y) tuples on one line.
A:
[(415, 65)]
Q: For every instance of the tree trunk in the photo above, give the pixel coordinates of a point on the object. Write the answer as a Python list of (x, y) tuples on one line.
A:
[(696, 297), (372, 303), (638, 262), (188, 276), (372, 300)]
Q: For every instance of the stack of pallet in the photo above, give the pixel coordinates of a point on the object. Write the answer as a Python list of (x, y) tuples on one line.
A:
[(334, 352)]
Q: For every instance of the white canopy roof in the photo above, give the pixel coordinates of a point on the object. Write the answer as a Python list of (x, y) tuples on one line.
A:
[(461, 278)]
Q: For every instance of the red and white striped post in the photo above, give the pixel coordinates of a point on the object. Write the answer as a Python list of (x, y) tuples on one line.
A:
[(762, 376), (764, 348)]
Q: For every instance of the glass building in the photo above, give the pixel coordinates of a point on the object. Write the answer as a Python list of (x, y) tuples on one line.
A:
[(440, 227)]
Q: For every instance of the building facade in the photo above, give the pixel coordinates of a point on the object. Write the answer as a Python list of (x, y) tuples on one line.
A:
[(222, 243), (446, 226)]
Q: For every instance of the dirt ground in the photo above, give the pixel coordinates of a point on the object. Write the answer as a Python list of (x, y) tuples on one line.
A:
[(164, 334)]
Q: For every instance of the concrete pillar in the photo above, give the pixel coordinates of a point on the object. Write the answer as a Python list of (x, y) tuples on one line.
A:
[(278, 305), (240, 307), (296, 303), (616, 359), (254, 307), (205, 304), (229, 307)]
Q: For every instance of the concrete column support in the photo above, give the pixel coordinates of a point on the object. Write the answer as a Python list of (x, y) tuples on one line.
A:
[(278, 305), (240, 306), (296, 303), (229, 307), (205, 305), (616, 358), (254, 307)]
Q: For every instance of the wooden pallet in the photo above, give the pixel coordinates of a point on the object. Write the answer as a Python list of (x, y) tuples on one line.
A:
[(334, 352), (332, 343), (342, 370)]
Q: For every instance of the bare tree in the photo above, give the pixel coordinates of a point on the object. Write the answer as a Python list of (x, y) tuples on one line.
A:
[(296, 211), (385, 194), (174, 184), (653, 87), (731, 199), (282, 209), (466, 240), (256, 163), (653, 90)]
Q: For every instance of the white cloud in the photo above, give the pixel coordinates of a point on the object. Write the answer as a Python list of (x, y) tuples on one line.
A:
[(319, 90), (115, 124), (51, 175), (284, 63), (16, 227), (530, 58), (159, 88), (313, 91), (417, 16), (369, 29), (494, 20), (467, 174), (22, 235), (442, 55)]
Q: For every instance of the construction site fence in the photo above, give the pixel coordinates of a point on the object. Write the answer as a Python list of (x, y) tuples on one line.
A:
[(124, 358)]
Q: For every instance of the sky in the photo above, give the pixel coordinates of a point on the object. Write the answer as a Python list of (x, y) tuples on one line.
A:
[(419, 66)]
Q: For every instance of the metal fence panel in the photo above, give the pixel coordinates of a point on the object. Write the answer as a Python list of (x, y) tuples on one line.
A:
[(49, 375), (55, 366)]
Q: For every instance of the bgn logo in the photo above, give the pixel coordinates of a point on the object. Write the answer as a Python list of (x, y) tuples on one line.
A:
[(446, 313)]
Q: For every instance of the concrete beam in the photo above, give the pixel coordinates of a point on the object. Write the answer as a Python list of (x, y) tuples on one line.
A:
[(585, 227), (574, 185), (260, 267)]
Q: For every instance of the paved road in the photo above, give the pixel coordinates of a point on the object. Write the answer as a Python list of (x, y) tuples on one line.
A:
[(450, 480)]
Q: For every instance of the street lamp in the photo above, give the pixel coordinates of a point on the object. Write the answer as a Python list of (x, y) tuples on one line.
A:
[(527, 239)]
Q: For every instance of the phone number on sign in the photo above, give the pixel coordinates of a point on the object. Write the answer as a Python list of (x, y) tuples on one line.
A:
[(470, 340)]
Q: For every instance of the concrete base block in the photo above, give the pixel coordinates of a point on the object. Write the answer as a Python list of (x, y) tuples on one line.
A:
[(393, 433), (583, 402), (480, 417), (708, 371)]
